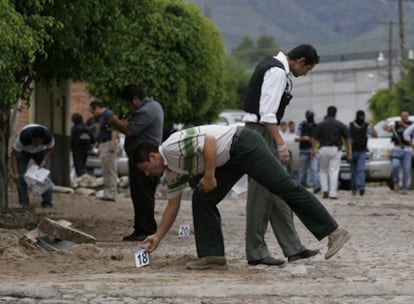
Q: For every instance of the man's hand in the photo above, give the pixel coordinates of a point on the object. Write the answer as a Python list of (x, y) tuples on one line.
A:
[(284, 155), (207, 183), (42, 164), (153, 241)]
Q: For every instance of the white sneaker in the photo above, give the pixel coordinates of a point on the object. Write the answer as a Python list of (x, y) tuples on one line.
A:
[(336, 240), (208, 262)]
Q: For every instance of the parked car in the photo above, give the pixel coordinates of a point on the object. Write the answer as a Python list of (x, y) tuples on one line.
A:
[(378, 166), (93, 163)]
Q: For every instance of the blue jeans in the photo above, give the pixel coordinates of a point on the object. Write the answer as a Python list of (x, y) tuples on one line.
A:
[(358, 170), (401, 159), (308, 165), (22, 160)]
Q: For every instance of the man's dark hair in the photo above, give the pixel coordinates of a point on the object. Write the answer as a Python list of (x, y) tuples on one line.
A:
[(304, 50), (331, 112), (39, 133), (77, 119), (130, 91), (96, 104), (142, 152)]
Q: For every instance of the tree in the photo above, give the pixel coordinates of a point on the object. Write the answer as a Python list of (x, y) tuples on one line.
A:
[(250, 53), (175, 54), (390, 102), (22, 39), (164, 45)]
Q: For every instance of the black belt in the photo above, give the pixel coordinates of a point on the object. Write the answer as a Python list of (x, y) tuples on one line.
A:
[(235, 140)]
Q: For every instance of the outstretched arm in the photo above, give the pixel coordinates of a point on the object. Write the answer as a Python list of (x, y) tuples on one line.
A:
[(168, 218)]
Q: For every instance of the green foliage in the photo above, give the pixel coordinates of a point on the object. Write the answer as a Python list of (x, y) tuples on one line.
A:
[(390, 102), (175, 54), (22, 39), (250, 53), (235, 83)]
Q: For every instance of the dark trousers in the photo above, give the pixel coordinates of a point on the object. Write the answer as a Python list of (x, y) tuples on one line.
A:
[(251, 156), (22, 162), (79, 161), (142, 189)]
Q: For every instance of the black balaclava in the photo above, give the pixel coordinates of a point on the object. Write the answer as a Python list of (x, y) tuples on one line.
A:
[(309, 116), (360, 117)]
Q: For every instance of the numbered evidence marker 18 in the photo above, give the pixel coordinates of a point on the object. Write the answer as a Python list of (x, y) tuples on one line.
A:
[(184, 230), (142, 258)]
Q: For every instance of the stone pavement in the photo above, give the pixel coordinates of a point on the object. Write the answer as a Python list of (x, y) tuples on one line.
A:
[(376, 266)]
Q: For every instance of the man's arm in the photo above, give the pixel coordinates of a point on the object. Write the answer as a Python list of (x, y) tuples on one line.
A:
[(168, 218), (408, 134), (46, 157), (208, 181), (120, 125)]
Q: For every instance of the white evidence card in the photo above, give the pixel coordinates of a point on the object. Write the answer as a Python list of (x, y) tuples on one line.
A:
[(142, 258), (184, 230)]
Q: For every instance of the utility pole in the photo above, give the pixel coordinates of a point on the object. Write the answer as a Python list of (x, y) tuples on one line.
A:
[(390, 80), (401, 24)]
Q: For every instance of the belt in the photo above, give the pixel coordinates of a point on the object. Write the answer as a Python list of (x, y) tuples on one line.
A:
[(235, 139)]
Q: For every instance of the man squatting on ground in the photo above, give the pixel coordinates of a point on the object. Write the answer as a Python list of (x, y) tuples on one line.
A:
[(223, 154)]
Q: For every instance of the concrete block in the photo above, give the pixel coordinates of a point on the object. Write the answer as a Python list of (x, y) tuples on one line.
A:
[(63, 231)]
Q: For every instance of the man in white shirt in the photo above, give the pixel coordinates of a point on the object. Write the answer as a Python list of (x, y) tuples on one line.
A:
[(267, 97), (221, 155)]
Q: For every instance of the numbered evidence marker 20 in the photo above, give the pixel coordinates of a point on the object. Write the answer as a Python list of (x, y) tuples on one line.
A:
[(142, 258), (184, 230)]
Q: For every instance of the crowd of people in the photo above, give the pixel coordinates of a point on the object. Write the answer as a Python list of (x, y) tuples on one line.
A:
[(212, 158)]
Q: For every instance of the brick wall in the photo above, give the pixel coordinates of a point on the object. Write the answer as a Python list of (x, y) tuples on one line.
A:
[(79, 101)]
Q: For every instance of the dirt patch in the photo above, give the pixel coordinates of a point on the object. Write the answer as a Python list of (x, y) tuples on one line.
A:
[(377, 266)]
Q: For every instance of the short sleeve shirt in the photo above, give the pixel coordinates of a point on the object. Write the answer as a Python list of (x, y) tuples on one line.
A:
[(183, 154), (23, 142)]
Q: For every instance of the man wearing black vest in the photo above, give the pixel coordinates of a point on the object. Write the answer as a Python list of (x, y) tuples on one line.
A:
[(360, 130), (267, 96), (308, 167)]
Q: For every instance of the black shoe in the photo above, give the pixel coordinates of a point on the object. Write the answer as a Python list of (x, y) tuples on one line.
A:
[(47, 205), (325, 195), (107, 199), (305, 254), (135, 237), (269, 261), (333, 197), (317, 190), (361, 192)]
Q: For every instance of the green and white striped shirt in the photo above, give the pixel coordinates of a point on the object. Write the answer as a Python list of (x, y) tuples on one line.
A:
[(183, 154)]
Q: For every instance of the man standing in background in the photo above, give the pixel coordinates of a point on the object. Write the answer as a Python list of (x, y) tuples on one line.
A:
[(401, 152), (108, 150), (330, 133), (146, 124), (307, 164), (267, 96), (360, 130)]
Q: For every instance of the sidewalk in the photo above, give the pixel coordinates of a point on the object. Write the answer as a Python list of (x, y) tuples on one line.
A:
[(375, 266)]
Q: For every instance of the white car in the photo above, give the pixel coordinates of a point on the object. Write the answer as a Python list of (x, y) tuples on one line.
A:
[(378, 165)]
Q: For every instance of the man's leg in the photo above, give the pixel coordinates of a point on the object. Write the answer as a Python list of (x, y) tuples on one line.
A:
[(334, 164), (254, 158), (206, 216), (314, 169), (406, 164), (109, 170), (323, 170), (142, 189), (360, 171), (22, 161)]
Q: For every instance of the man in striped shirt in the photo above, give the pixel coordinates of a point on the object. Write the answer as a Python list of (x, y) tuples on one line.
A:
[(221, 155)]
